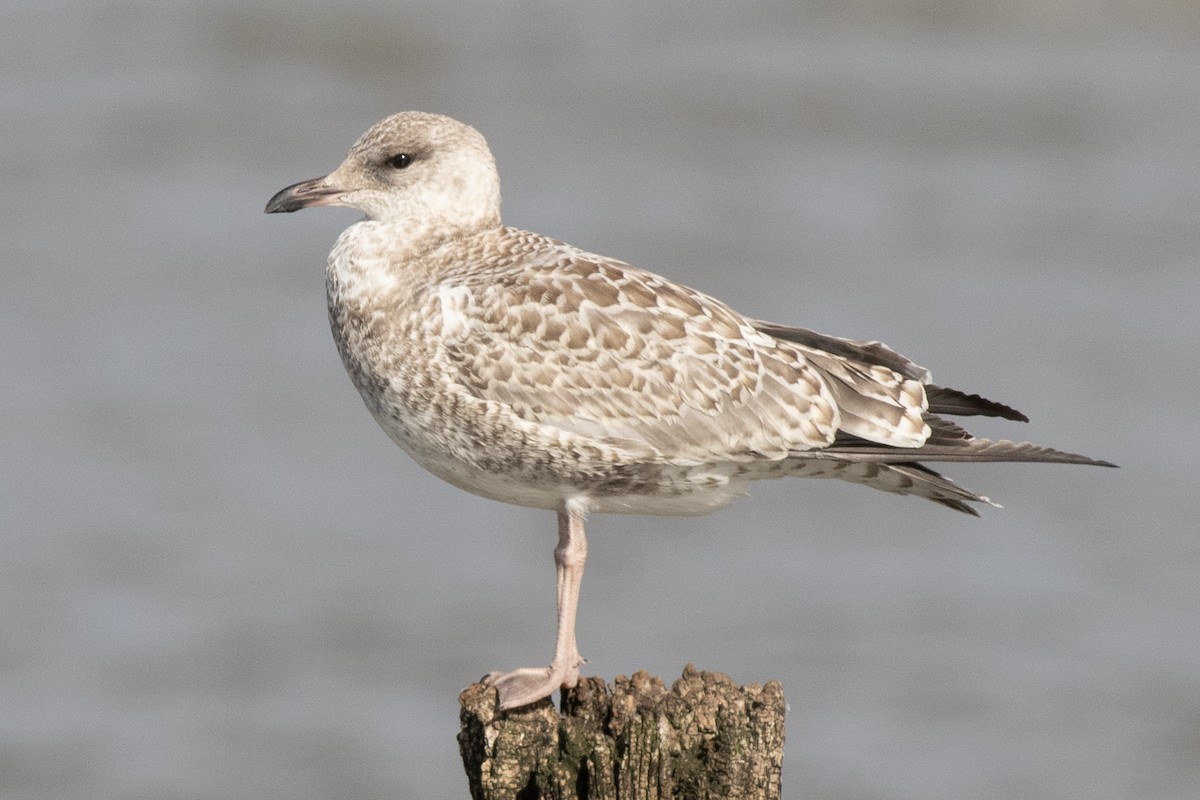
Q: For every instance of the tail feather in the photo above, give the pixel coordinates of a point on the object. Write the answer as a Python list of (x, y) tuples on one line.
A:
[(867, 405), (940, 489), (897, 470), (904, 479)]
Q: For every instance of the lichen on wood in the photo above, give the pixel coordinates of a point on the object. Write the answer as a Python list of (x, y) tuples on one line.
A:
[(706, 737)]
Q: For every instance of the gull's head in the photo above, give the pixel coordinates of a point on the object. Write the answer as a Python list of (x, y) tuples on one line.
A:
[(413, 168)]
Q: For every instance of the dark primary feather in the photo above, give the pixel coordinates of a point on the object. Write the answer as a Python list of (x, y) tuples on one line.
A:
[(866, 352), (947, 441), (941, 399), (952, 401), (962, 450)]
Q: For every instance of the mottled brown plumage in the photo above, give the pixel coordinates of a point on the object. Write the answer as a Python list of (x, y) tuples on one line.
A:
[(525, 370)]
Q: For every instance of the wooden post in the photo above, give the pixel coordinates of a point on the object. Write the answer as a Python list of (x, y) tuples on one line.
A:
[(705, 738)]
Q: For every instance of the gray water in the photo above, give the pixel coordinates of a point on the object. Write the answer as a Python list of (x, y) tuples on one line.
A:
[(220, 580)]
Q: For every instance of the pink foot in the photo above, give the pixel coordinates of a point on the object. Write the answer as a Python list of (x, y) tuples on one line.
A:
[(530, 684)]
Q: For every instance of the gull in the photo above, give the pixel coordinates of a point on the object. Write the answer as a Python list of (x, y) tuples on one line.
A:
[(531, 372)]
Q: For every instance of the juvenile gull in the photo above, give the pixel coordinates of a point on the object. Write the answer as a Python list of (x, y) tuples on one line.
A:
[(528, 371)]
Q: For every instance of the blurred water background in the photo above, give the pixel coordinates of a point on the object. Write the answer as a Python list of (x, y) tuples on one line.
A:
[(220, 580)]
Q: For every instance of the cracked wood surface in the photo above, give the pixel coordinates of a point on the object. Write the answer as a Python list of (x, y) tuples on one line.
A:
[(705, 737)]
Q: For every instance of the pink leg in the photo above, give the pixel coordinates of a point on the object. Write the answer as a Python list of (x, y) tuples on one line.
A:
[(529, 684)]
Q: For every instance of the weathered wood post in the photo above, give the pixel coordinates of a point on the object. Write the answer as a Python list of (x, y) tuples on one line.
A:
[(705, 738)]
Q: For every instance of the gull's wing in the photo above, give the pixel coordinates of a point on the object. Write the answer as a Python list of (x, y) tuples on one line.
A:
[(941, 400), (575, 341), (603, 349)]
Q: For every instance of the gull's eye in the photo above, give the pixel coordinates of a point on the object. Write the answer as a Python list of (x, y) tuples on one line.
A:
[(399, 161)]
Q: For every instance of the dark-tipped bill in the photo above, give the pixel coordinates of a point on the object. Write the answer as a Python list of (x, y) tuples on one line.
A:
[(315, 192)]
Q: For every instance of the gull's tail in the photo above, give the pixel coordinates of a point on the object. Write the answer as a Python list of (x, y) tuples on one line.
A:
[(898, 470)]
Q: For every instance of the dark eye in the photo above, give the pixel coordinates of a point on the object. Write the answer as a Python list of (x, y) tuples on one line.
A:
[(399, 161)]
